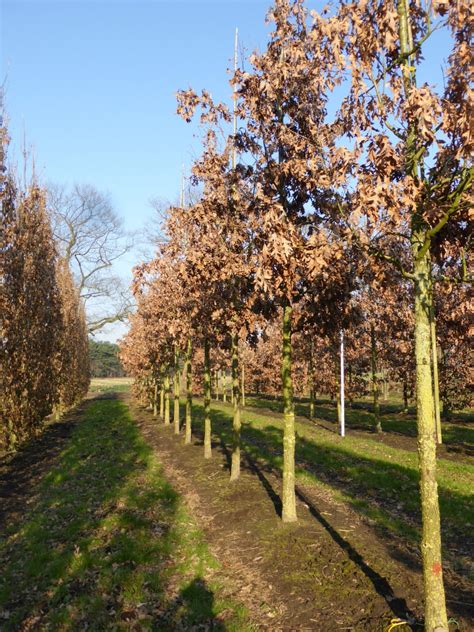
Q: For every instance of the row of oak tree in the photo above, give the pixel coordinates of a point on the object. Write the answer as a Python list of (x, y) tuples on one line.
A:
[(338, 202)]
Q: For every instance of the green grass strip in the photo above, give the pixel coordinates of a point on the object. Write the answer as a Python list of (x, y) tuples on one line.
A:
[(108, 541)]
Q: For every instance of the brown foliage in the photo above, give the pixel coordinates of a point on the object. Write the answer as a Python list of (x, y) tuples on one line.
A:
[(31, 319), (73, 356), (43, 339)]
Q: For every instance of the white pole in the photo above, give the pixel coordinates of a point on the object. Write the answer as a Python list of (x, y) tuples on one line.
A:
[(343, 424)]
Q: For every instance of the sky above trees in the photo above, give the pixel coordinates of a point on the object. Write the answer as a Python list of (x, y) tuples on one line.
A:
[(92, 86), (94, 83)]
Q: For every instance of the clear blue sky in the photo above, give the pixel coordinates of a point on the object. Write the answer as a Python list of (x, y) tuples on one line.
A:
[(93, 83)]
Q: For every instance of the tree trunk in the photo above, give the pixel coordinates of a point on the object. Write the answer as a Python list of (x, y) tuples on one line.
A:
[(375, 384), (405, 395), (435, 604), (217, 383), (446, 410), (207, 401), (434, 358), (342, 413), (224, 386), (162, 397), (149, 392), (167, 398), (311, 388), (386, 387), (155, 397), (338, 399), (288, 491), (176, 391), (436, 619), (11, 438), (189, 393), (350, 386), (235, 466)]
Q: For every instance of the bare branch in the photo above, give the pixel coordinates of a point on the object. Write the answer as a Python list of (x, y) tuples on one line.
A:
[(91, 236)]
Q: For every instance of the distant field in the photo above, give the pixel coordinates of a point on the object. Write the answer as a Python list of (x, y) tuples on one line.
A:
[(105, 384)]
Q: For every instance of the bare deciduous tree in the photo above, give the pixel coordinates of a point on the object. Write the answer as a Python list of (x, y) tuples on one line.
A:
[(91, 237)]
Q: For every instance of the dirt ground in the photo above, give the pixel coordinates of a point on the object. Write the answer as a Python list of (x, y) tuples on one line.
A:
[(330, 571)]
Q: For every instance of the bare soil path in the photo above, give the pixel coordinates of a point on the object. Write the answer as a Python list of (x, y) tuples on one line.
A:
[(308, 576), (333, 570)]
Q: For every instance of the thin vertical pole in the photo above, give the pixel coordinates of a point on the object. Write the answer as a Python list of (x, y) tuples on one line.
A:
[(343, 421), (236, 42), (189, 392)]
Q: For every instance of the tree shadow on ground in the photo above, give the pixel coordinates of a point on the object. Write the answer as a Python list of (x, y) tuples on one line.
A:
[(456, 434), (382, 587), (22, 470), (390, 490), (95, 542), (386, 492), (192, 607), (397, 605)]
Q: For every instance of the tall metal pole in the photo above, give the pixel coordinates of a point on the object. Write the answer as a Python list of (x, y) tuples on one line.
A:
[(236, 42), (343, 422)]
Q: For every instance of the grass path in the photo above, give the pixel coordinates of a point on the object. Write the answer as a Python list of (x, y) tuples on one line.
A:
[(106, 541), (456, 434)]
